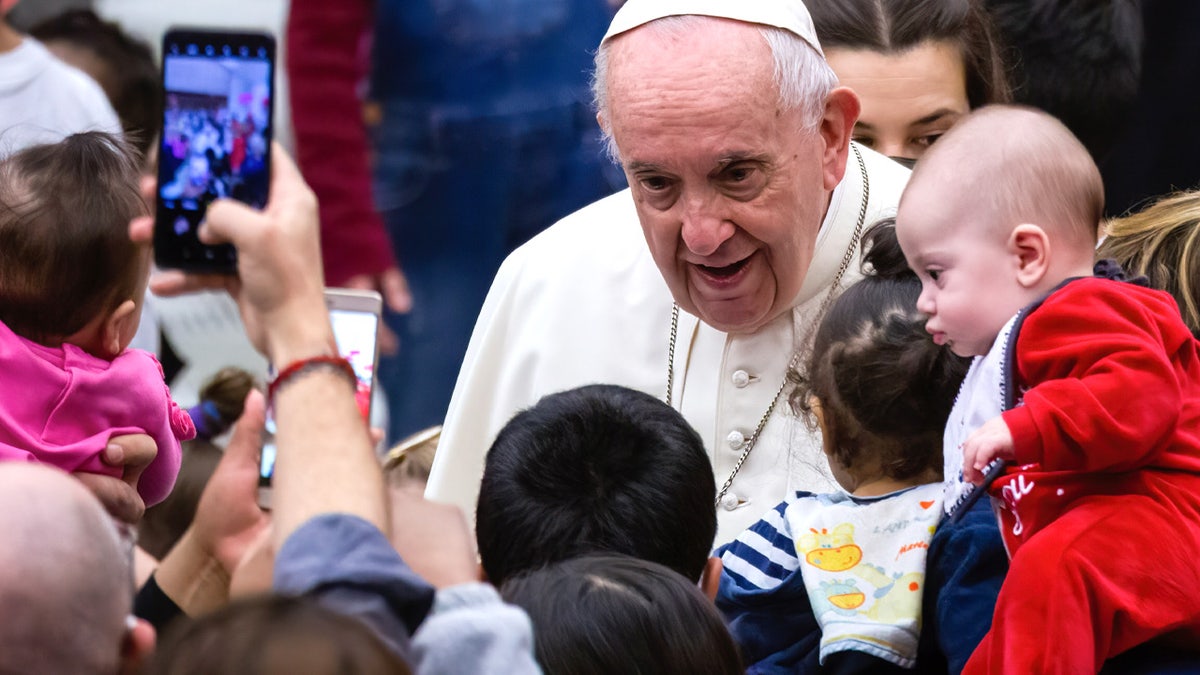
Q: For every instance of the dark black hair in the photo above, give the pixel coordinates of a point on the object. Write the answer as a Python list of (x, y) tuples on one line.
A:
[(130, 79), (895, 26), (600, 468), (601, 614), (1078, 61), (272, 634), (885, 389), (65, 253)]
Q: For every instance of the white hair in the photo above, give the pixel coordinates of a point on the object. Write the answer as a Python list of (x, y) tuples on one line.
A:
[(802, 76)]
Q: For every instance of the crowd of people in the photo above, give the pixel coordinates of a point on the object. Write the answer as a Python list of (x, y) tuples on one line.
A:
[(854, 377)]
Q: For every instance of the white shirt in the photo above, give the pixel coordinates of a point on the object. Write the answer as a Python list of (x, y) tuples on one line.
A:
[(43, 100), (584, 303)]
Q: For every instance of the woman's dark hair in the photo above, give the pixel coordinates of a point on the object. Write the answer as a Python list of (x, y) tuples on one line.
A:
[(601, 614), (272, 634), (895, 26), (884, 388)]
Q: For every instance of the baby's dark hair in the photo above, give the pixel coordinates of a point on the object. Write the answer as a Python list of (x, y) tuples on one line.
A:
[(883, 387), (129, 73), (65, 252)]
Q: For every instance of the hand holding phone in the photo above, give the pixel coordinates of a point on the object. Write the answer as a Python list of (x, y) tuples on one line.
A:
[(355, 316), (215, 138)]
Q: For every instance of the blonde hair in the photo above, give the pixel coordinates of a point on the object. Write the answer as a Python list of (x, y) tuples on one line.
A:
[(410, 460), (1162, 242)]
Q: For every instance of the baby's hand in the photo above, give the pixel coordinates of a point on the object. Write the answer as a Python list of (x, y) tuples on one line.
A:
[(988, 442)]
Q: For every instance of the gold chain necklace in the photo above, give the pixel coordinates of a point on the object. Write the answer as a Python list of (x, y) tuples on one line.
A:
[(749, 443)]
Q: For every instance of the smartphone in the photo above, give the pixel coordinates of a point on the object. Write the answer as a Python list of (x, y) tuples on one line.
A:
[(355, 316), (215, 138)]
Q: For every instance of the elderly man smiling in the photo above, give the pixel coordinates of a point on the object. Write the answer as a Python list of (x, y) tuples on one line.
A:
[(735, 139)]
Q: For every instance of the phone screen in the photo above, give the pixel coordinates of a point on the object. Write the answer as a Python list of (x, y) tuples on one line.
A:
[(215, 139), (356, 333)]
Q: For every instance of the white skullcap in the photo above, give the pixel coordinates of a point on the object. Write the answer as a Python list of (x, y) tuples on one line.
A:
[(790, 15)]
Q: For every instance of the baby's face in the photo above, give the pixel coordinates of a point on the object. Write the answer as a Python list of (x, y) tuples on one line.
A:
[(969, 285)]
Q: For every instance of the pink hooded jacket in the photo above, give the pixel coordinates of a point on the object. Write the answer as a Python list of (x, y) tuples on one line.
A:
[(61, 405)]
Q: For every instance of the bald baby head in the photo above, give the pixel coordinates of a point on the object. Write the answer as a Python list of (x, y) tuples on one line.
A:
[(63, 564), (1006, 165)]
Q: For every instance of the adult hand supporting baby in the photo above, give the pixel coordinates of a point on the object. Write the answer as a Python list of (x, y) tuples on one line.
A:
[(130, 453)]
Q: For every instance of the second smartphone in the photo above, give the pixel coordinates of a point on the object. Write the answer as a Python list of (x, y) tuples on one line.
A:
[(355, 318), (215, 138)]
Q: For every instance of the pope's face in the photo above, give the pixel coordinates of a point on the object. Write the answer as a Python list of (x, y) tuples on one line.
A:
[(729, 189)]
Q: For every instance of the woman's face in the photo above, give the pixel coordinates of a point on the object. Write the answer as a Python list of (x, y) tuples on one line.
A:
[(908, 99)]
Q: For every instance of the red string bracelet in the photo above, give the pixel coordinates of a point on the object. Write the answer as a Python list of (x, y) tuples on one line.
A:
[(304, 365)]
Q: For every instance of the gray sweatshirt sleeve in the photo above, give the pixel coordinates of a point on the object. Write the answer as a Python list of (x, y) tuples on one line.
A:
[(473, 632)]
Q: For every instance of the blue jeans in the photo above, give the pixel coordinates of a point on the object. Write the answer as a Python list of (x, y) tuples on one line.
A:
[(458, 193)]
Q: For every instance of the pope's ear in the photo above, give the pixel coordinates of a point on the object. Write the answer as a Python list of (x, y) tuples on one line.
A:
[(837, 126), (1030, 245)]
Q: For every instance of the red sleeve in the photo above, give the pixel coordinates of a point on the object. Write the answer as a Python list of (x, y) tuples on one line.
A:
[(1102, 393), (324, 70)]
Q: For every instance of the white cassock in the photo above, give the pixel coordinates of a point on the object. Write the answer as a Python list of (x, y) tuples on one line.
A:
[(583, 303)]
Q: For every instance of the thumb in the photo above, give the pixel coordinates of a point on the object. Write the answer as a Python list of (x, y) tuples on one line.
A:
[(246, 441), (226, 218)]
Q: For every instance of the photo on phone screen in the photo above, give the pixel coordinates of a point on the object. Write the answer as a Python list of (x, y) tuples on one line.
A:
[(355, 318), (215, 139)]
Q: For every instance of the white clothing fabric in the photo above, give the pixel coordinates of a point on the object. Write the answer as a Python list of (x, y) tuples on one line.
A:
[(865, 567), (980, 398), (42, 99), (790, 15), (584, 303)]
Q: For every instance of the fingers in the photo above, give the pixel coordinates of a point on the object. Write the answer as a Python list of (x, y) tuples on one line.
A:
[(130, 451), (394, 286), (141, 230), (120, 499), (176, 282)]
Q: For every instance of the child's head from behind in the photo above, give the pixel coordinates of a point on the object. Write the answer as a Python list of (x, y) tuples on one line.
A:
[(599, 468), (273, 634), (68, 270), (1004, 208), (617, 614), (879, 387)]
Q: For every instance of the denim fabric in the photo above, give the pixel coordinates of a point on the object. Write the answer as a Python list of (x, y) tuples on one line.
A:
[(486, 138)]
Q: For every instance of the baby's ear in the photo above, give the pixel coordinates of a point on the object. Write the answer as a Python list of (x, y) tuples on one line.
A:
[(119, 325), (1031, 246)]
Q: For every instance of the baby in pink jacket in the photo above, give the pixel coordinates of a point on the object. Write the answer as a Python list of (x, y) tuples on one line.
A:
[(71, 290)]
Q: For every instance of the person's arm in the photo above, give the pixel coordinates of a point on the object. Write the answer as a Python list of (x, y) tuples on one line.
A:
[(764, 601), (195, 574), (1103, 393), (325, 65), (964, 570)]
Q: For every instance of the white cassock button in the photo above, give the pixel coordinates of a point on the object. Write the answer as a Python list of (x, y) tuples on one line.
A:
[(729, 502), (735, 439), (740, 378)]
